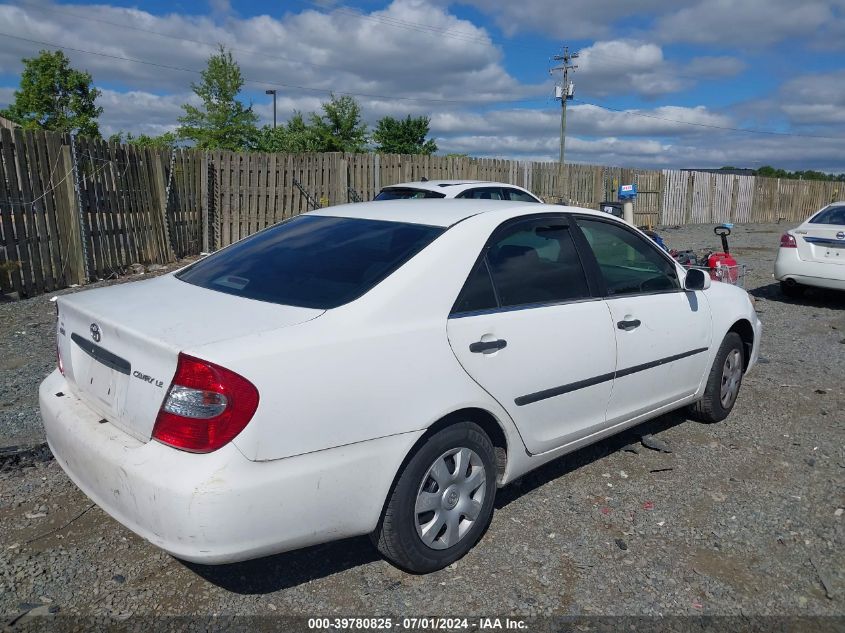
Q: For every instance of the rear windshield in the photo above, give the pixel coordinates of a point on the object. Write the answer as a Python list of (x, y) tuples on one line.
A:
[(312, 261), (834, 214), (407, 193)]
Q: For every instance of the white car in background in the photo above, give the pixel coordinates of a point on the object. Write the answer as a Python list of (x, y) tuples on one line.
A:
[(379, 368), (474, 189), (813, 254)]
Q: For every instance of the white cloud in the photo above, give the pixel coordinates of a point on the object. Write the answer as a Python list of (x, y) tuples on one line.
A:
[(621, 66), (661, 121), (583, 120), (749, 23), (815, 99), (656, 138), (575, 19), (327, 51), (713, 67), (746, 24), (815, 113), (141, 112), (402, 51)]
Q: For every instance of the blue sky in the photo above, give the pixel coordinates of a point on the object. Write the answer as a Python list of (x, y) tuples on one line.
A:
[(660, 83)]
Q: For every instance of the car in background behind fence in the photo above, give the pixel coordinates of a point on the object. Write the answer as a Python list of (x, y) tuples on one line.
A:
[(472, 189)]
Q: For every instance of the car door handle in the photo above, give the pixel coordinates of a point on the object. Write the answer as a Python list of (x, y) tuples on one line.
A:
[(629, 325), (480, 347)]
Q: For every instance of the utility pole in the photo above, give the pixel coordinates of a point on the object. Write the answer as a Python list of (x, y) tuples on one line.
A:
[(273, 92), (565, 91)]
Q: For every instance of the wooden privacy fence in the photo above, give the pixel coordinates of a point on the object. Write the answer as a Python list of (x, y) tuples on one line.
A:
[(73, 210), (254, 190)]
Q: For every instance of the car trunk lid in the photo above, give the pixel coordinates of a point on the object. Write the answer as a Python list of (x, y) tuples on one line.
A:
[(119, 345), (823, 243)]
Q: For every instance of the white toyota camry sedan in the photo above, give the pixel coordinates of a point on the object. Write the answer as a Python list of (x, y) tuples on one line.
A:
[(379, 368), (813, 254)]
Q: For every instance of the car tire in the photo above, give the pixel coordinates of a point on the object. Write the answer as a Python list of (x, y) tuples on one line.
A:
[(792, 290), (423, 527), (723, 382)]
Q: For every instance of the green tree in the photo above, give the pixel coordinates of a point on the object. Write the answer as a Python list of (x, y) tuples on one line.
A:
[(404, 136), (294, 136), (53, 96), (164, 141), (221, 122), (339, 128), (767, 171)]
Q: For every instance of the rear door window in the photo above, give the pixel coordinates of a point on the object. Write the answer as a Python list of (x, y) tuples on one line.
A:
[(483, 193), (535, 261), (312, 261), (519, 196), (529, 262), (478, 293), (407, 193)]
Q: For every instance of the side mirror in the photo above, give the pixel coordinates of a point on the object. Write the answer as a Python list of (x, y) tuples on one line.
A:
[(696, 279)]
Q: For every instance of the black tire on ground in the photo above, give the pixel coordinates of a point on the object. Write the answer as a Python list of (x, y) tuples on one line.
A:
[(396, 535), (711, 407), (791, 290)]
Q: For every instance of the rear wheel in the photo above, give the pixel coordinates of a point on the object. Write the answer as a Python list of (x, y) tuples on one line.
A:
[(723, 382), (442, 502), (791, 289)]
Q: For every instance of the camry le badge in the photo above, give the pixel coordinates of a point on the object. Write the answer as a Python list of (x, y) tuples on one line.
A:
[(95, 332)]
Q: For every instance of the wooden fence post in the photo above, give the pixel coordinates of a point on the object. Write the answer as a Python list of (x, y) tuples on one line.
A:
[(68, 220), (159, 218), (204, 194), (342, 180)]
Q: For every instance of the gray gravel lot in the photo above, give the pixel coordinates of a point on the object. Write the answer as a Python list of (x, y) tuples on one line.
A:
[(741, 518)]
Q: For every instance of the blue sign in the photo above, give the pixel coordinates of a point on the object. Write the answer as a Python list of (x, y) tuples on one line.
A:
[(627, 192)]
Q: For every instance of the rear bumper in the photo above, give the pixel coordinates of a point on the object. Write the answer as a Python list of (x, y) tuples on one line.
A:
[(220, 507), (789, 266)]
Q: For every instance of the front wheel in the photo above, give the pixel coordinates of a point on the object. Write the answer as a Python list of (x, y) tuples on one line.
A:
[(442, 501), (723, 382)]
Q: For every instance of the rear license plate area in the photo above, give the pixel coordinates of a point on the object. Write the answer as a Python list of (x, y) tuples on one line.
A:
[(835, 251), (100, 374), (102, 383)]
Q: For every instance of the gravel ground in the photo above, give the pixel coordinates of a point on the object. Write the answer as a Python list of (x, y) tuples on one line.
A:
[(741, 518)]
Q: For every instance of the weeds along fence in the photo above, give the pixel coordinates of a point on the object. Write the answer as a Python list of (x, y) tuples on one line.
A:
[(74, 210)]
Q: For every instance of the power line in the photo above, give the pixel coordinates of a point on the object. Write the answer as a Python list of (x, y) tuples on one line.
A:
[(274, 83)]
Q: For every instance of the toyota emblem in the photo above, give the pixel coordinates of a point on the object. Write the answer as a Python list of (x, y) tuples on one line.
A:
[(95, 332), (840, 235)]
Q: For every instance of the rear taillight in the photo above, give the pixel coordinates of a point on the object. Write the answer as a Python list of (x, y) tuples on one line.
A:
[(205, 408), (787, 241)]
